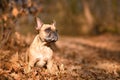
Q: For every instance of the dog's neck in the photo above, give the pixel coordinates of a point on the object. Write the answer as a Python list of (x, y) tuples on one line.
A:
[(40, 38), (46, 43), (49, 44)]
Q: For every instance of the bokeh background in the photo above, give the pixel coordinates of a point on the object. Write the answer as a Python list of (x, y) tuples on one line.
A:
[(73, 17)]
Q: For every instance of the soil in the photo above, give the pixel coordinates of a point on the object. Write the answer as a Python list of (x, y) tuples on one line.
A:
[(78, 58)]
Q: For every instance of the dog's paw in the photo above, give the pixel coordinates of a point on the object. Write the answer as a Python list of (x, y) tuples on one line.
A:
[(54, 69)]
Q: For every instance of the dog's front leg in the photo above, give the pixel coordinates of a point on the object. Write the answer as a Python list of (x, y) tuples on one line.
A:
[(49, 65), (52, 67), (30, 65)]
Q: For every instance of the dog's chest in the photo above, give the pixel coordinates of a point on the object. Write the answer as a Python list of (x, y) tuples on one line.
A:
[(37, 50), (44, 51)]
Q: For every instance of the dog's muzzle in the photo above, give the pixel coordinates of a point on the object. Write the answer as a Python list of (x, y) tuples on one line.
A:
[(52, 37)]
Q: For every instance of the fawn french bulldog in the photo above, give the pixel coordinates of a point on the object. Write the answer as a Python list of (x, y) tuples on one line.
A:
[(40, 52)]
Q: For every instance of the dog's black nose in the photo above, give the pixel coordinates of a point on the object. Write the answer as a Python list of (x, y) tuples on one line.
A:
[(56, 38)]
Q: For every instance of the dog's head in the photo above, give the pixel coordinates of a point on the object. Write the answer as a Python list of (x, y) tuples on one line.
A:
[(47, 32)]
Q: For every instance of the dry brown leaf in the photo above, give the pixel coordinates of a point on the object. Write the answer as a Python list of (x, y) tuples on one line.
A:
[(15, 12), (29, 3), (5, 17), (14, 58), (15, 76)]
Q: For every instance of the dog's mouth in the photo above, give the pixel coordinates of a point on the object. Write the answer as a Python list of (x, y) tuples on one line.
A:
[(52, 37), (49, 39)]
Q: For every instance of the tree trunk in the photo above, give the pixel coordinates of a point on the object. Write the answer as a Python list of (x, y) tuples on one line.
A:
[(88, 17)]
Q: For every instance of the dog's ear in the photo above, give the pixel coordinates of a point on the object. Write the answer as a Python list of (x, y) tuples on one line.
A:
[(54, 23), (39, 23)]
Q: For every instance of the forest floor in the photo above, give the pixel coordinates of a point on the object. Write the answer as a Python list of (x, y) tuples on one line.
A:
[(79, 58)]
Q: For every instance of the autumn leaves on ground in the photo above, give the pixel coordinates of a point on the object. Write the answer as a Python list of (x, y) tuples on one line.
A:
[(78, 58)]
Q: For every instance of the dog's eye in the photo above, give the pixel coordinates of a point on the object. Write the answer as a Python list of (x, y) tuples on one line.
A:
[(48, 30)]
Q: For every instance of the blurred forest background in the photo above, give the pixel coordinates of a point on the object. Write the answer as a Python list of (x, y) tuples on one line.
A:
[(88, 47), (73, 17)]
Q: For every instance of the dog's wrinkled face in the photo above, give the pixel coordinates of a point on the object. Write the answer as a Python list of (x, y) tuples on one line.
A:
[(47, 32)]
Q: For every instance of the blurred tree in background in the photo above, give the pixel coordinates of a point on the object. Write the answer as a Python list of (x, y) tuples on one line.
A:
[(11, 13), (78, 17), (73, 17), (89, 16)]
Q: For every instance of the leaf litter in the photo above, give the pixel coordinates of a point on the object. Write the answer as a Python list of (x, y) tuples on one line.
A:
[(80, 58)]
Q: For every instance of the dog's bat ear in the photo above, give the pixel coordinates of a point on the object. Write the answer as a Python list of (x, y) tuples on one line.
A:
[(54, 23), (39, 23)]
